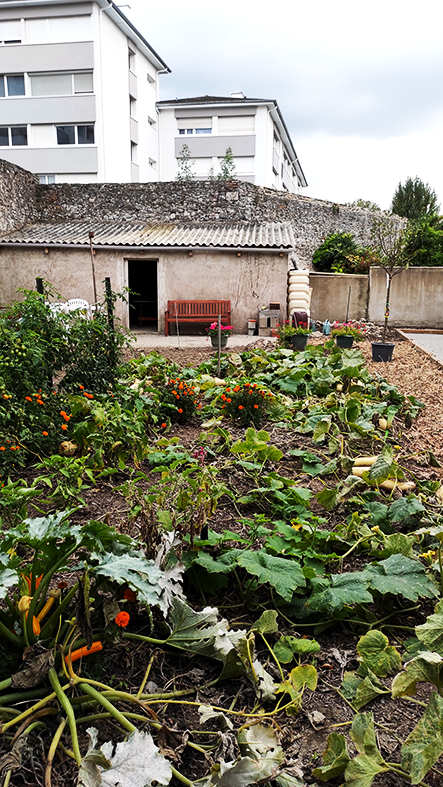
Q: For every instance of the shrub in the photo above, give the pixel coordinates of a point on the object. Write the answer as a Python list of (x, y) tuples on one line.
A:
[(247, 404), (339, 253)]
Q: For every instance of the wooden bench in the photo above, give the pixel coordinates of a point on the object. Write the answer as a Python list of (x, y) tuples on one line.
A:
[(196, 311)]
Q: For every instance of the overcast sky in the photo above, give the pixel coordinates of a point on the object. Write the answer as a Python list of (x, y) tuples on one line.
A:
[(359, 84)]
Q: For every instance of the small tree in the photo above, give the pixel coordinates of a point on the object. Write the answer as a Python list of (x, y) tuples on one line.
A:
[(185, 165), (389, 241), (414, 200), (227, 167)]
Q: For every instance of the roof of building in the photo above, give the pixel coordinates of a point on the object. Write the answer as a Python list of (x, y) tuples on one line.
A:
[(226, 100), (266, 235)]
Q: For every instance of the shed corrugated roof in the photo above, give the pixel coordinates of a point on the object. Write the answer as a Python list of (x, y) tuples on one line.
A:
[(263, 235)]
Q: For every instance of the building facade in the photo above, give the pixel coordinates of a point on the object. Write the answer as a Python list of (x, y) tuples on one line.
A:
[(253, 129), (78, 92)]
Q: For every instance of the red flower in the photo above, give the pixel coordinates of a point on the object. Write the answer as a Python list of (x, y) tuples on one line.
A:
[(163, 426), (180, 410), (129, 595), (122, 619)]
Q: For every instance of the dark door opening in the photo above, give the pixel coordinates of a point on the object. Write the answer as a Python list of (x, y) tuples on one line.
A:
[(143, 302)]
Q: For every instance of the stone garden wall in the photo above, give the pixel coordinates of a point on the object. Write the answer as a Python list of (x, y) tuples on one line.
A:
[(18, 194), (206, 202)]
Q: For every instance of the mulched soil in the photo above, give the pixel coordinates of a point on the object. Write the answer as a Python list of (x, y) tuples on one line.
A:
[(303, 737)]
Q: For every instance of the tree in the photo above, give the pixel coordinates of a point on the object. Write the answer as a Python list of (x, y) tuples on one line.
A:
[(227, 167), (389, 240), (340, 253), (414, 200), (185, 165)]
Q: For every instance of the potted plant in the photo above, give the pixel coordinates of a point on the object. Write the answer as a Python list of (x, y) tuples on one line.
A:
[(345, 334), (390, 237), (284, 332), (225, 332), (300, 335)]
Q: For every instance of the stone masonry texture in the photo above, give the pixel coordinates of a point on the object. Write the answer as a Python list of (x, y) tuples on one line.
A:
[(18, 196)]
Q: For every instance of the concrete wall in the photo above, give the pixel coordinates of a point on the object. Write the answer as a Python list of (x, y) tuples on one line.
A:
[(249, 281), (416, 298), (330, 292)]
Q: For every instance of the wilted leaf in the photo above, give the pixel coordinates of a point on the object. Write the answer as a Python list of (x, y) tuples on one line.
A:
[(35, 671), (381, 468), (137, 762), (361, 690), (335, 758), (431, 632), (262, 760), (362, 770), (267, 622), (380, 657), (424, 745), (423, 668)]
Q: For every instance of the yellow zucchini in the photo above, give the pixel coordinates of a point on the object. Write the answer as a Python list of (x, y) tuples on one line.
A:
[(402, 486), (382, 424), (363, 461), (358, 471)]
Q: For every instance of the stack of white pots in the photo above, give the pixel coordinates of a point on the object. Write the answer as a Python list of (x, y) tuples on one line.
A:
[(299, 292)]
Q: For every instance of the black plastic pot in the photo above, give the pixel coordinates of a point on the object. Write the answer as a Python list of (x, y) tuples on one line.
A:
[(299, 341), (382, 351), (345, 342)]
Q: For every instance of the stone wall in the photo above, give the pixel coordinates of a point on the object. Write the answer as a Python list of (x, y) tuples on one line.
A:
[(18, 194), (205, 202)]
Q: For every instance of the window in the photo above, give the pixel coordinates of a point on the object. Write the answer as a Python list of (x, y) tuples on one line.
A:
[(13, 135), (61, 83), (12, 85), (45, 180), (195, 131), (10, 32), (58, 29), (75, 135)]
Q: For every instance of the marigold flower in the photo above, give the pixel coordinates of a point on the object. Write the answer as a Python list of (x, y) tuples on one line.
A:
[(240, 407), (64, 427), (180, 410), (82, 387), (39, 401), (255, 406), (175, 393), (163, 426), (122, 619), (2, 448), (45, 434), (129, 594), (228, 400), (28, 398)]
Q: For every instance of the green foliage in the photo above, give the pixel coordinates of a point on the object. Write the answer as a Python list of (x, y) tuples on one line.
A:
[(425, 242), (340, 253), (247, 404), (227, 166), (185, 165), (414, 200), (365, 204), (179, 401)]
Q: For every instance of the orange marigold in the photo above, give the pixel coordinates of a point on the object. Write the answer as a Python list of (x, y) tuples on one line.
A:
[(180, 410), (64, 427), (28, 398), (45, 434), (122, 619)]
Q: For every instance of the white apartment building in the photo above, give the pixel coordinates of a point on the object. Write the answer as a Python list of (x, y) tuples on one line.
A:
[(252, 128), (78, 92)]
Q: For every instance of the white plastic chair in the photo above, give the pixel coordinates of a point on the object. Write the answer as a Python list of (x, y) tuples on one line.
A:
[(80, 305), (57, 308)]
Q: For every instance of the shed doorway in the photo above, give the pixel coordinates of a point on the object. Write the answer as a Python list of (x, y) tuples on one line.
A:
[(143, 299)]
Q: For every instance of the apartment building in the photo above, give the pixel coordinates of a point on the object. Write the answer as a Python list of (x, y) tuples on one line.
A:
[(78, 92), (252, 128)]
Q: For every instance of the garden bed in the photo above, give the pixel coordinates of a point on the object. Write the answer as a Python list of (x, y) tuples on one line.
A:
[(326, 575)]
